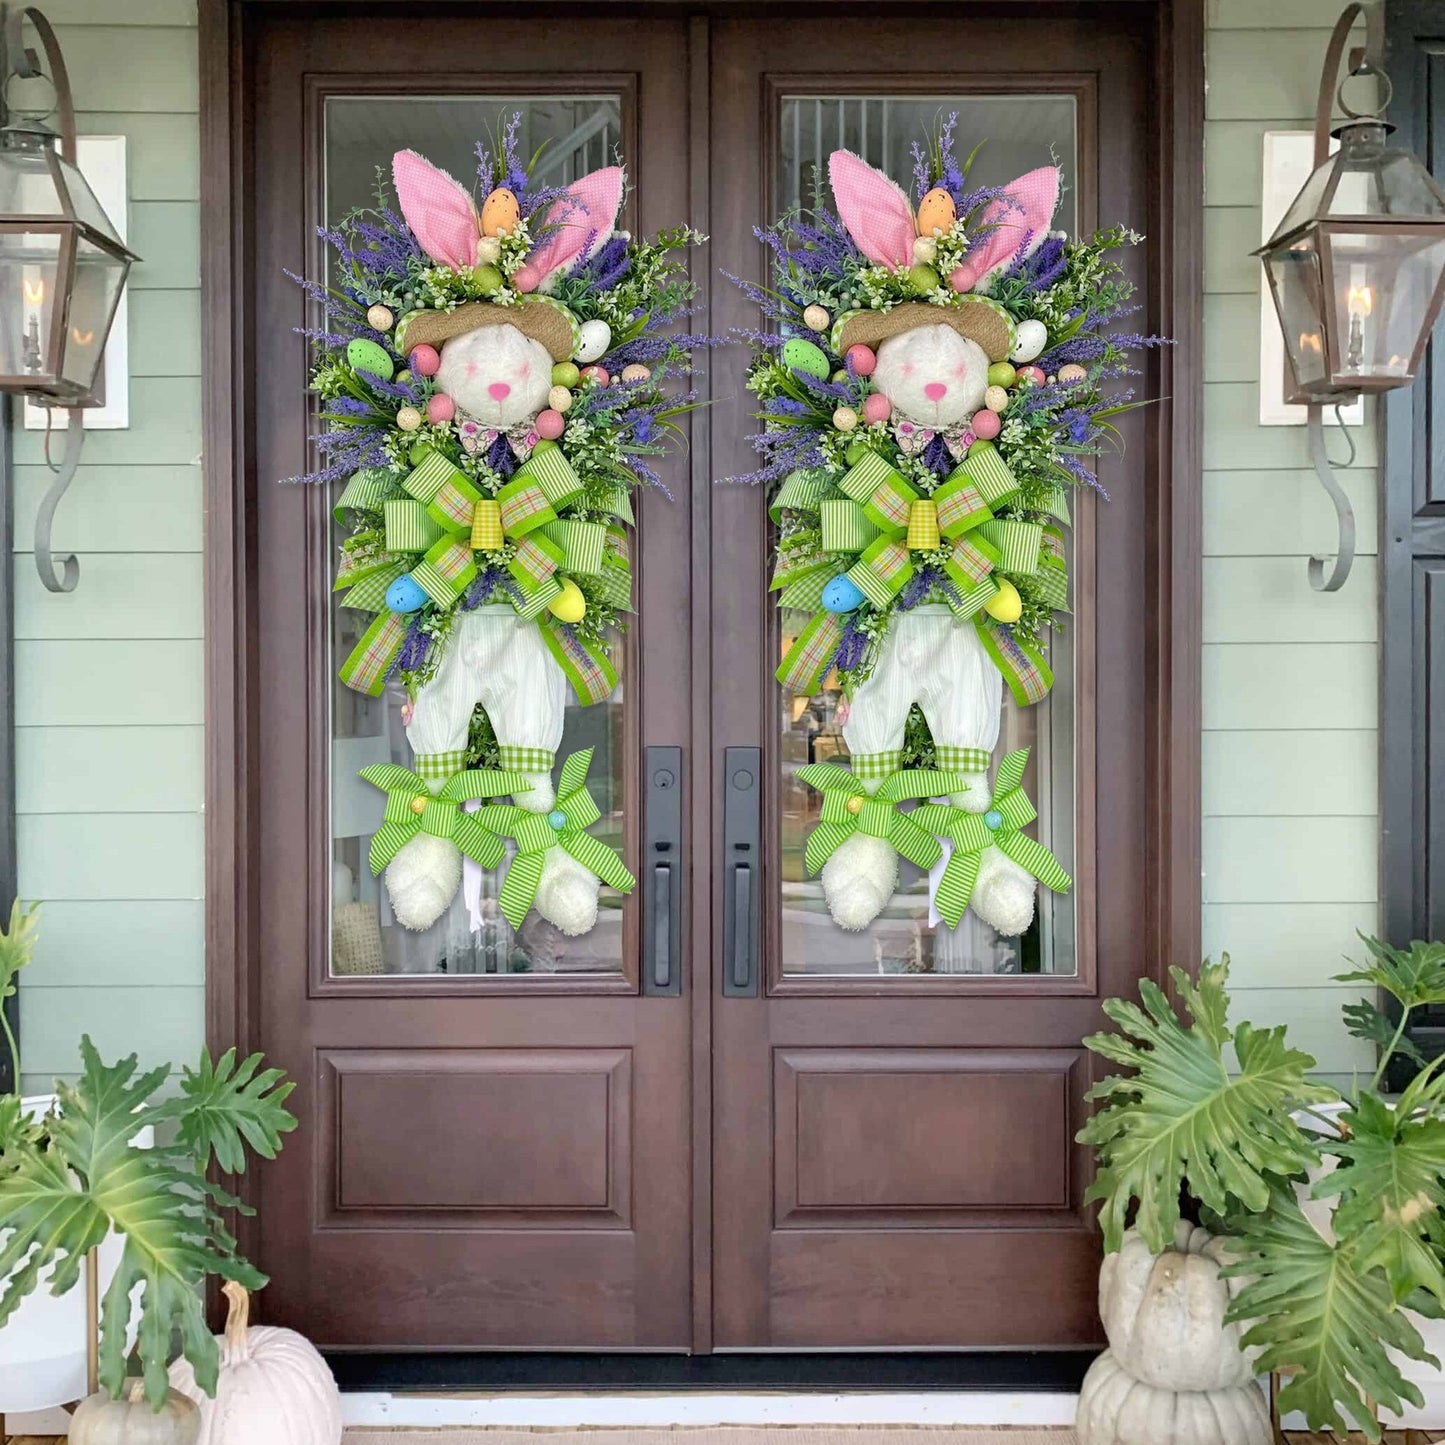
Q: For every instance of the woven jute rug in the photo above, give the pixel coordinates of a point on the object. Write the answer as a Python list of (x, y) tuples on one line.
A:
[(722, 1435)]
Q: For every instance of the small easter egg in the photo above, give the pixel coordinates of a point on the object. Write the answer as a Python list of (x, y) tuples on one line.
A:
[(855, 452), (996, 399), (565, 374), (1032, 374), (404, 377), (636, 372), (379, 317), (842, 594), (440, 409), (925, 249), (839, 376), (936, 212), (593, 339), (993, 820), (418, 804), (559, 398), (367, 356), (985, 424), (550, 424), (408, 418), (544, 446), (488, 279), (569, 605), (420, 451), (877, 408), (1030, 339), (845, 418), (816, 318), (426, 360), (599, 374), (489, 250), (1005, 605), (500, 212), (557, 818), (405, 594), (800, 355), (1001, 374), (1071, 373), (854, 805), (863, 359), (963, 278), (922, 279)]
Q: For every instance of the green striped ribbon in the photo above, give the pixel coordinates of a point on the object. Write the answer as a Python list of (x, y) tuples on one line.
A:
[(848, 809), (564, 827), (617, 500), (846, 527), (971, 833), (1018, 544), (1056, 504), (801, 491), (1022, 664), (409, 527), (808, 661), (988, 472), (366, 491), (411, 809), (371, 659), (587, 665)]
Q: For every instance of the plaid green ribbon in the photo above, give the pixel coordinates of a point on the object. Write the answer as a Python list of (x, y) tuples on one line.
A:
[(1028, 676), (848, 808), (370, 663), (587, 665), (565, 826), (807, 662), (971, 833), (411, 809)]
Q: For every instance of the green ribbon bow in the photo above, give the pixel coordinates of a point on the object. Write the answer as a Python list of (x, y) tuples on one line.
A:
[(848, 808), (411, 809), (971, 833), (564, 826)]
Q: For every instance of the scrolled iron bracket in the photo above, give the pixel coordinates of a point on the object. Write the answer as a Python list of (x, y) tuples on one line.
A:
[(1344, 512), (45, 559)]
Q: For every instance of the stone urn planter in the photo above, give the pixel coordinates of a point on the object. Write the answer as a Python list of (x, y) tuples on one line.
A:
[(1174, 1372)]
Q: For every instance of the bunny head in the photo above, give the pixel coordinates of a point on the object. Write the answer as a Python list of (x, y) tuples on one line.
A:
[(496, 375), (932, 375)]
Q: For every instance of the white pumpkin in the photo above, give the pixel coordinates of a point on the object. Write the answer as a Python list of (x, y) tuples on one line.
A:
[(1116, 1409), (274, 1388), (1164, 1314), (99, 1420)]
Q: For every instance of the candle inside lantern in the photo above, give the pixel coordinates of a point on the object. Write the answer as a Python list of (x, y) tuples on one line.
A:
[(33, 289), (1360, 302)]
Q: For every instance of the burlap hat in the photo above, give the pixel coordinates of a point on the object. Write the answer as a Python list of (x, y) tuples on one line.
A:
[(975, 317), (539, 317)]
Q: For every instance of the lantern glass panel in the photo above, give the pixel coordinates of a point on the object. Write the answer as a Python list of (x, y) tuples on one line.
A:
[(28, 185), (95, 293), (1295, 279), (83, 204), (28, 289)]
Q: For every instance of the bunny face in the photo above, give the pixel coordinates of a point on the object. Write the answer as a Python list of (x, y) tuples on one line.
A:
[(496, 375), (932, 375)]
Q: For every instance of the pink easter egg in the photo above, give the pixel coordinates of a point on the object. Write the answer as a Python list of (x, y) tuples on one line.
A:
[(440, 408), (1033, 373), (527, 278), (877, 408), (550, 424), (597, 374), (862, 359), (986, 424), (963, 278), (425, 360)]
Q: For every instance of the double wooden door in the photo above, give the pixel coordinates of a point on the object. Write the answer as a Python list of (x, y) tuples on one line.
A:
[(717, 1122)]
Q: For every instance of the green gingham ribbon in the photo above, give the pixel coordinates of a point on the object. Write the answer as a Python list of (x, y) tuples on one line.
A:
[(1024, 668), (565, 826), (411, 809), (515, 758), (848, 808), (971, 833), (370, 663)]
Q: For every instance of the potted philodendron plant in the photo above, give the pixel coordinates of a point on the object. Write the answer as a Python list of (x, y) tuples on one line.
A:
[(1258, 1223), (74, 1175)]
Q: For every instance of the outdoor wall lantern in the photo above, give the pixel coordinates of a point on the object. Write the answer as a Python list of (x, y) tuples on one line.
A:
[(62, 268), (1356, 267)]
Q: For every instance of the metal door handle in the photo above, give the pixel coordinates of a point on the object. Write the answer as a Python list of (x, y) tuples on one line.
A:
[(662, 872), (742, 842), (662, 926), (742, 955)]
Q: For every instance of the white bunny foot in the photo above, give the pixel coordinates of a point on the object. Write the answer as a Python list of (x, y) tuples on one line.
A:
[(422, 879), (1003, 895), (567, 894), (858, 879)]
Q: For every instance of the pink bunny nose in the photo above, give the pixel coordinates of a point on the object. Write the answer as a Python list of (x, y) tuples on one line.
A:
[(499, 391), (935, 391)]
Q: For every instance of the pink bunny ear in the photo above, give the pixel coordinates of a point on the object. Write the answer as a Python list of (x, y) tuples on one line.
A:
[(438, 210), (1016, 227), (577, 223), (878, 215)]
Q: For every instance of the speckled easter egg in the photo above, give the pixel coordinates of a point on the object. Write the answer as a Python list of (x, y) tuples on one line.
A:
[(1030, 338), (800, 355), (985, 425), (405, 594), (379, 317), (1071, 373), (922, 279), (565, 374), (863, 359), (936, 213), (500, 213), (996, 399), (408, 418), (440, 409), (367, 356), (1001, 374), (569, 605), (845, 418), (963, 278), (877, 408), (426, 360), (593, 339), (635, 372), (488, 279), (559, 398), (816, 317), (1005, 605), (842, 594)]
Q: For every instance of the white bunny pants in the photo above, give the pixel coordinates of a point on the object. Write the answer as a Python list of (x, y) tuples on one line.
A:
[(497, 659), (931, 658)]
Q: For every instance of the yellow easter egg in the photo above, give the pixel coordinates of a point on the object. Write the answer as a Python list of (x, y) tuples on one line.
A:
[(936, 213), (1005, 605), (569, 605), (500, 213)]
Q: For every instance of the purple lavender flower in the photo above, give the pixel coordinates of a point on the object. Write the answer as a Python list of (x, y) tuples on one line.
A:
[(500, 457), (937, 457)]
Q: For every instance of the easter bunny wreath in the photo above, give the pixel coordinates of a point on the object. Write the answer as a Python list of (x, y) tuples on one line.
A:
[(492, 388), (931, 389)]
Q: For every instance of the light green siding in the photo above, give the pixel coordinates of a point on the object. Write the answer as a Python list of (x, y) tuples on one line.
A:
[(1290, 701), (109, 740)]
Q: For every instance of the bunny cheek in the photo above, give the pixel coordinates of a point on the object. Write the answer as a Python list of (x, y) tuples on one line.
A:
[(496, 375), (932, 375)]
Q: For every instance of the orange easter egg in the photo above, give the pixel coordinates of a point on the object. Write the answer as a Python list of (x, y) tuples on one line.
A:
[(500, 213), (936, 213)]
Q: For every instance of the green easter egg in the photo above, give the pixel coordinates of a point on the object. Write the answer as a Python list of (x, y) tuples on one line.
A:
[(565, 373), (1001, 374), (800, 355), (841, 374), (420, 451), (922, 279), (855, 453), (489, 279), (543, 445), (364, 355)]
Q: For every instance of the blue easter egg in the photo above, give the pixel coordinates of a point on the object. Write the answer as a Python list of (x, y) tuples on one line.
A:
[(842, 595), (993, 820), (406, 594), (557, 818)]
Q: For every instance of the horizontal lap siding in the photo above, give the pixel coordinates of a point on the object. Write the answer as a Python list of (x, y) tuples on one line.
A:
[(109, 711), (1290, 689)]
